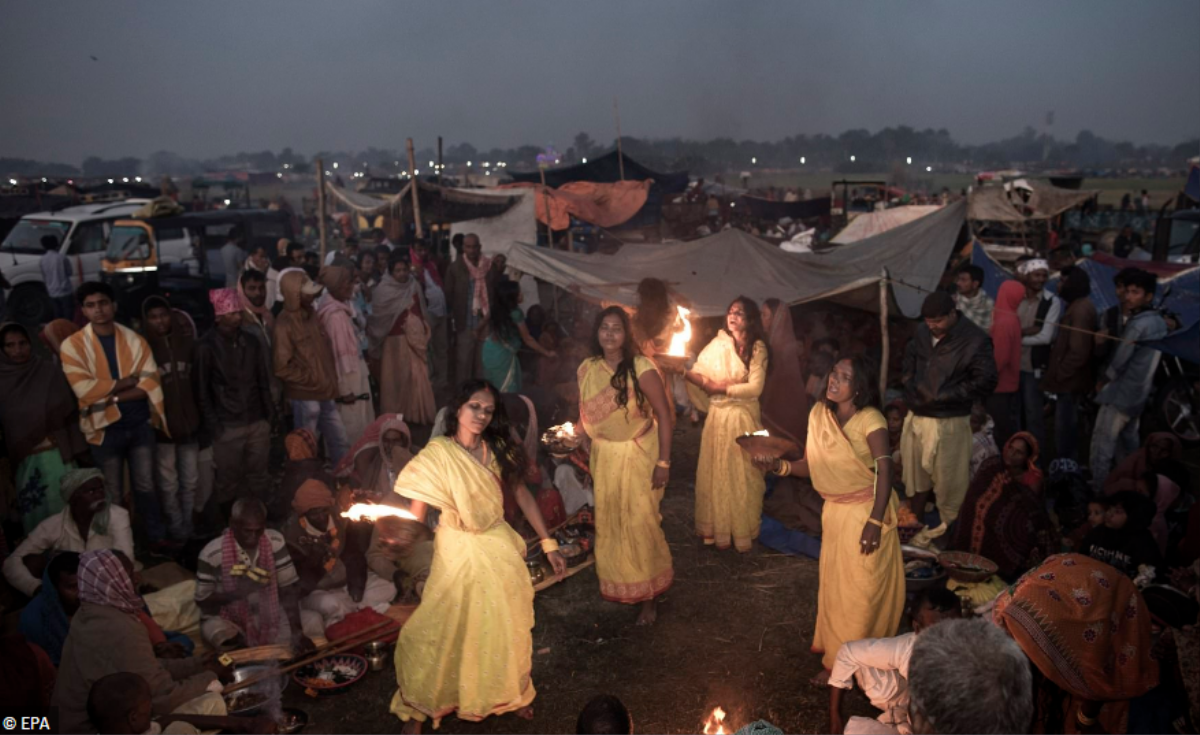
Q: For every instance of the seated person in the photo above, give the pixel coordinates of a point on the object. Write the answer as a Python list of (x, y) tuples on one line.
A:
[(301, 465), (375, 460), (880, 666), (88, 522), (333, 580), (121, 703), (26, 676), (604, 715), (1125, 541), (46, 620), (112, 634), (401, 553), (246, 585)]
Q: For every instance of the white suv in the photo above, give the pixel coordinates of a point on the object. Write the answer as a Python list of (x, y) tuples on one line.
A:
[(82, 233)]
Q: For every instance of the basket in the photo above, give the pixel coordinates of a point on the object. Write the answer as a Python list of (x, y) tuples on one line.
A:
[(906, 533), (966, 567)]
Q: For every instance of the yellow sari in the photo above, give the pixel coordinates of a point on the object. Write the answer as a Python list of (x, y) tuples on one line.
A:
[(633, 560), (859, 596), (729, 489), (468, 648)]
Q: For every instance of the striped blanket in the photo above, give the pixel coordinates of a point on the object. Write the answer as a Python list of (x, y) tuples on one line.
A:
[(88, 373)]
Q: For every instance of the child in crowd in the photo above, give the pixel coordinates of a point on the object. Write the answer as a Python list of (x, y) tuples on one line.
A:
[(1096, 508), (983, 445), (1124, 541)]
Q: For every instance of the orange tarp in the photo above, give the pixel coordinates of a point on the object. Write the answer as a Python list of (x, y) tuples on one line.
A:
[(604, 205)]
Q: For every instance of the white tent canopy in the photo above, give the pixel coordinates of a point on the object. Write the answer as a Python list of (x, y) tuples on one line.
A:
[(713, 271)]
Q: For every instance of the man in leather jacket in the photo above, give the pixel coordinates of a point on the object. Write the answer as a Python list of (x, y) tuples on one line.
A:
[(948, 367)]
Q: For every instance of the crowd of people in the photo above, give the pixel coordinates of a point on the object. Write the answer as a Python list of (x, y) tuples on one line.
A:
[(392, 376)]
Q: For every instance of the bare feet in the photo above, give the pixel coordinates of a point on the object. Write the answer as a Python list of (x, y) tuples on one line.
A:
[(821, 679), (525, 713), (412, 727), (649, 613)]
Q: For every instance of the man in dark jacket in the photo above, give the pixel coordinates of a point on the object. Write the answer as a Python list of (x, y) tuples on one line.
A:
[(948, 366), (235, 400), (176, 455)]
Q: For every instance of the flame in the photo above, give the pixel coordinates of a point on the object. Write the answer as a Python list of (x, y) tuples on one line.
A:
[(679, 340), (568, 429), (372, 512), (760, 432), (715, 724)]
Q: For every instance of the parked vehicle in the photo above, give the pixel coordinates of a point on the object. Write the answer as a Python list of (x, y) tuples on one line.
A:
[(82, 233)]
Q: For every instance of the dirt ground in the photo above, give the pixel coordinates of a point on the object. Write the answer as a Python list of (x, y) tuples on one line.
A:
[(733, 631)]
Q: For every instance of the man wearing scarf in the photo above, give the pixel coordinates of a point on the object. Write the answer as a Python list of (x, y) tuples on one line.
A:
[(246, 585), (257, 297), (399, 338), (467, 296), (339, 321), (88, 522), (111, 633)]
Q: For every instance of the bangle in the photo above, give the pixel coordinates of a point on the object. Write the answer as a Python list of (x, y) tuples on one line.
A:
[(784, 468), (1084, 719), (663, 463), (549, 545), (875, 522)]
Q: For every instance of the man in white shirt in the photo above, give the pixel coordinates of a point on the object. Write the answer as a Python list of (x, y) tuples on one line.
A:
[(89, 522), (1039, 313), (880, 666), (232, 258), (56, 273)]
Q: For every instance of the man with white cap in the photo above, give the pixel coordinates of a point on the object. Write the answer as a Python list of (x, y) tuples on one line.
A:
[(304, 362), (1039, 313), (235, 403)]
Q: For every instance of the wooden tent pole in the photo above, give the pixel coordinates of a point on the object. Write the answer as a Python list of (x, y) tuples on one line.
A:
[(321, 228), (883, 328), (546, 201), (412, 168), (620, 155)]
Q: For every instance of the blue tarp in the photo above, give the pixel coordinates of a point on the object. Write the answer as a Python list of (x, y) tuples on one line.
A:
[(1183, 297)]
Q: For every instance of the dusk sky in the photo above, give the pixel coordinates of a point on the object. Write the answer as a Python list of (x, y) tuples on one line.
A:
[(206, 78)]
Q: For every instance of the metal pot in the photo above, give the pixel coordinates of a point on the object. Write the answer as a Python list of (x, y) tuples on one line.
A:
[(536, 574)]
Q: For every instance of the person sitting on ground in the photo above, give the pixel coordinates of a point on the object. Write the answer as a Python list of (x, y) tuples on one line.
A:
[(333, 572), (1158, 448), (401, 553), (965, 676), (1097, 508), (111, 633), (1125, 541), (1004, 516), (604, 715), (880, 667), (88, 522), (246, 585), (376, 459), (301, 465), (121, 703), (46, 620)]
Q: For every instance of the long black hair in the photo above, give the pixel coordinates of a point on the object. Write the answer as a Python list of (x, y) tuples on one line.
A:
[(505, 298), (754, 329), (626, 373), (863, 380), (497, 434), (654, 307)]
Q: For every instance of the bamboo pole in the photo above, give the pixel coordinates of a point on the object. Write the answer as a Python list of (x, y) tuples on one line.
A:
[(321, 206), (412, 169), (620, 155), (546, 201), (883, 328)]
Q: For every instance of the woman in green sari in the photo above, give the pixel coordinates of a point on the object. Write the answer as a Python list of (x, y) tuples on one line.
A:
[(506, 334)]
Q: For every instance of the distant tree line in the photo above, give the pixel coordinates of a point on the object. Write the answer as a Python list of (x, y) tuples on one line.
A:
[(854, 151)]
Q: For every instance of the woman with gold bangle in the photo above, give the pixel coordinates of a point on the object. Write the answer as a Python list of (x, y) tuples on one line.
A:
[(861, 592), (468, 648), (625, 411)]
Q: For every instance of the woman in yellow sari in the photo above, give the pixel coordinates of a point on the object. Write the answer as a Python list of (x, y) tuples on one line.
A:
[(731, 372), (468, 648), (624, 409), (861, 592)]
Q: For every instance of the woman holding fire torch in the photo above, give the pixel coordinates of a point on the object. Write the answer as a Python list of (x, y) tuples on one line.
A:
[(847, 455), (624, 409), (468, 648), (731, 372)]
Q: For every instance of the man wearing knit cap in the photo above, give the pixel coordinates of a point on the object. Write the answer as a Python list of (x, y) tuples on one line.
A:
[(235, 402), (304, 362)]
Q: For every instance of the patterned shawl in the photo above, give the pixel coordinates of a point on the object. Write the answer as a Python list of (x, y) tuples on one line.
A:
[(260, 629), (88, 373)]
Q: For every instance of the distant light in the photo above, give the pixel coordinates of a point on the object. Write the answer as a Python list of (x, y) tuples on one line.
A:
[(929, 168), (487, 173), (585, 159), (43, 179), (279, 176), (327, 173), (754, 160), (125, 180), (468, 164), (71, 181), (732, 205), (431, 164), (555, 162), (287, 165), (417, 172), (13, 182), (801, 160), (109, 181), (486, 165), (851, 160), (335, 164), (135, 178), (908, 160), (226, 202)]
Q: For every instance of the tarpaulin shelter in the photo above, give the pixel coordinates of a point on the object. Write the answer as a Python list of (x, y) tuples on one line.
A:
[(607, 170), (875, 223), (1006, 204), (772, 210), (604, 205), (498, 232), (712, 271), (440, 203)]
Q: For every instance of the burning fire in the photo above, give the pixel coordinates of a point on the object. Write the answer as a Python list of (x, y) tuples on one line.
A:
[(679, 340), (568, 429), (760, 432), (715, 724), (372, 512)]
